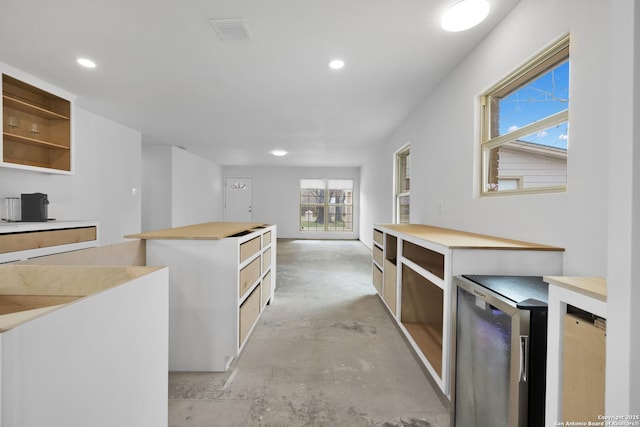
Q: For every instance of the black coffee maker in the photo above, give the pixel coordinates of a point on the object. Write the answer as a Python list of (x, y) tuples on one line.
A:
[(35, 207)]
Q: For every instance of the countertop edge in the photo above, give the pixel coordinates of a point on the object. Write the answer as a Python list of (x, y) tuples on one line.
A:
[(594, 287), (451, 238)]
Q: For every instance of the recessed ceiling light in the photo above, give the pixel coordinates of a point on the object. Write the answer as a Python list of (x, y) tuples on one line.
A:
[(87, 63), (279, 153), (465, 14), (336, 64)]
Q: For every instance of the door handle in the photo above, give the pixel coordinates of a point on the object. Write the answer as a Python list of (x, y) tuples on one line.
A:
[(524, 357)]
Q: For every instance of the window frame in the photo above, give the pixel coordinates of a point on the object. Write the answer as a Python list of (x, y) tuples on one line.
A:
[(326, 205), (553, 56), (405, 151)]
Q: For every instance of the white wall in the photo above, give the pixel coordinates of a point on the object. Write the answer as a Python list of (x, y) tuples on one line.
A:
[(107, 168), (444, 149), (179, 188), (276, 196), (623, 260)]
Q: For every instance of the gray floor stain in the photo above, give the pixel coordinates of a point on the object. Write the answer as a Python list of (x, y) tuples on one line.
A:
[(356, 327), (411, 423)]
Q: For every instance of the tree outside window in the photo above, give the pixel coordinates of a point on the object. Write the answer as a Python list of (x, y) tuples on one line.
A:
[(326, 205)]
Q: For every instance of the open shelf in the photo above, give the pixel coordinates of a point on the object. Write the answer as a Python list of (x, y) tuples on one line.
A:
[(422, 315), (25, 107), (32, 141), (430, 260), (36, 127), (428, 337)]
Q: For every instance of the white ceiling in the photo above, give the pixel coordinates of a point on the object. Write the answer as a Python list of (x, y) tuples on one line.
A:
[(161, 69)]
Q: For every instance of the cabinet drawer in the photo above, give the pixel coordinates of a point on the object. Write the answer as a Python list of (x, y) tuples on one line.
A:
[(266, 239), (377, 278), (248, 275), (266, 260), (377, 255), (266, 288), (249, 311), (249, 248), (13, 242), (377, 236)]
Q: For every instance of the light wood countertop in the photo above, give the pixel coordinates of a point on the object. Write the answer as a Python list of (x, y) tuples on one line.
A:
[(595, 287), (30, 291), (206, 231), (462, 239)]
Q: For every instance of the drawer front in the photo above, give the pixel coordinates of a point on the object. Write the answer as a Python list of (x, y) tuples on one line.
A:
[(377, 236), (266, 238), (266, 260), (249, 311), (249, 248), (13, 242), (248, 275), (377, 255), (377, 278), (266, 288)]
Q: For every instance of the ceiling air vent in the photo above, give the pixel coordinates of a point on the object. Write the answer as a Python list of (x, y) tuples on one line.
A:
[(232, 30)]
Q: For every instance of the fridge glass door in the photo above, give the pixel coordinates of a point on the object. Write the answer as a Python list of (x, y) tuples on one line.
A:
[(483, 363)]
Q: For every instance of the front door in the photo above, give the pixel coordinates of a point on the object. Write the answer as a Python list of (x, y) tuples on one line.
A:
[(238, 199)]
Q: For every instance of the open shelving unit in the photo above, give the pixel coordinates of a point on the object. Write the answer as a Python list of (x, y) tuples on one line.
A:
[(413, 270), (36, 127)]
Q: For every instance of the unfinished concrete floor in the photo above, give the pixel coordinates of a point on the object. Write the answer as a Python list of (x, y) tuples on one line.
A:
[(324, 353)]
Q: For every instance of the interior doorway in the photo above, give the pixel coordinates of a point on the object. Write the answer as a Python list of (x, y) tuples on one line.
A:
[(238, 199)]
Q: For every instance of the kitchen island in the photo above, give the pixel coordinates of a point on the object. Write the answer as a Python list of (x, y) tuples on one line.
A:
[(221, 277)]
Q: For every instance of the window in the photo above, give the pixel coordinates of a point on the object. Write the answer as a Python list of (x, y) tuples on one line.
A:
[(402, 187), (326, 205), (525, 127)]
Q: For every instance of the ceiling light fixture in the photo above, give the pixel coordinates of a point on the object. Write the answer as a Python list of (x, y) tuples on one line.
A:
[(336, 64), (465, 14), (279, 153), (87, 63)]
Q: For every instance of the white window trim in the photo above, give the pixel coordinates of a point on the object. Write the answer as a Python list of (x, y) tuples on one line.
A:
[(396, 195), (514, 80)]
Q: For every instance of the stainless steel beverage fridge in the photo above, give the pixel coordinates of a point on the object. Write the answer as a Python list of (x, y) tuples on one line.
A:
[(500, 348)]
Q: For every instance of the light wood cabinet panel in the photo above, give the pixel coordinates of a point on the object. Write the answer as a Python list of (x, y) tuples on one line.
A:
[(41, 239), (390, 285), (583, 364), (247, 249)]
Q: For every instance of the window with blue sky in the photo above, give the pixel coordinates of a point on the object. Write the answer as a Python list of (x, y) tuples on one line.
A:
[(525, 118)]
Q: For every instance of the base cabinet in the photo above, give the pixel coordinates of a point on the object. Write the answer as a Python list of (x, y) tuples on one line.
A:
[(419, 263), (576, 350), (217, 291)]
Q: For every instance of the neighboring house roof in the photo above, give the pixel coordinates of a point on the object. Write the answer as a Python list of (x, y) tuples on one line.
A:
[(536, 149)]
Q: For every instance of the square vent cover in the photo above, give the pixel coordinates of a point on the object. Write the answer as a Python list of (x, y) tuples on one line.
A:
[(232, 30)]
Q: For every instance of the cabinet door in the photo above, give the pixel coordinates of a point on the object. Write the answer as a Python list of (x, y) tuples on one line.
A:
[(583, 370)]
